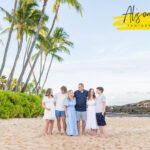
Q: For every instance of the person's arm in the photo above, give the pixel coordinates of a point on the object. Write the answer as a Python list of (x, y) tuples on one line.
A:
[(44, 106), (65, 107), (75, 102), (66, 110), (55, 97), (75, 94), (104, 105)]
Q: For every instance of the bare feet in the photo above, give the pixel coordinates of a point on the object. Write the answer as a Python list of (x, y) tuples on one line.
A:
[(102, 135), (45, 134), (50, 133)]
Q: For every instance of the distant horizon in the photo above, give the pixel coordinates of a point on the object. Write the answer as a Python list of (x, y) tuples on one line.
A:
[(129, 103)]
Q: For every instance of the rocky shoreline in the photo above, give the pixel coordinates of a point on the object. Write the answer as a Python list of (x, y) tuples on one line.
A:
[(140, 109)]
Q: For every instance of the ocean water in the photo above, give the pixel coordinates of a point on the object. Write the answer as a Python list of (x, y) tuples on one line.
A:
[(126, 98)]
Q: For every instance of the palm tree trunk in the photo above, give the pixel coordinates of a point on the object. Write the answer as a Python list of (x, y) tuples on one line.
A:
[(48, 71), (26, 54), (49, 33), (28, 78), (33, 73), (31, 67), (32, 46), (41, 63), (39, 80), (16, 60), (54, 20), (27, 48), (30, 63), (8, 41)]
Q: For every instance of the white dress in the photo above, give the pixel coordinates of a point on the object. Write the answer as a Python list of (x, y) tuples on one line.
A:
[(49, 114), (91, 115)]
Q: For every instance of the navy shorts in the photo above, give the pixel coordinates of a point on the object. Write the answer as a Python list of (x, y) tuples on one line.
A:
[(100, 119), (60, 113)]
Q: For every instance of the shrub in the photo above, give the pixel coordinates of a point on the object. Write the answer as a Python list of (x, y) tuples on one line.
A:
[(19, 105)]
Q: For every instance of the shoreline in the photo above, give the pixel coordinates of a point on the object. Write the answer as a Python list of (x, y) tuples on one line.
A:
[(109, 114)]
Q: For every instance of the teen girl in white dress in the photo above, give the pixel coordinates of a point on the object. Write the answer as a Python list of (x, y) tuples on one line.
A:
[(49, 111), (91, 112)]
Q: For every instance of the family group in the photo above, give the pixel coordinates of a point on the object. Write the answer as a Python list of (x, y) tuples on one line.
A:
[(70, 108)]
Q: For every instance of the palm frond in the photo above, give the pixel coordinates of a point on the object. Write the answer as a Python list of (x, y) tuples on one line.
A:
[(57, 57), (73, 3), (1, 42), (5, 30), (8, 17)]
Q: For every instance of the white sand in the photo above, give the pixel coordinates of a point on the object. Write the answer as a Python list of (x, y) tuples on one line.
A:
[(122, 134)]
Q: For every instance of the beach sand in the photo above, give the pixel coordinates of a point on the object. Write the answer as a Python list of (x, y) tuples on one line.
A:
[(122, 134)]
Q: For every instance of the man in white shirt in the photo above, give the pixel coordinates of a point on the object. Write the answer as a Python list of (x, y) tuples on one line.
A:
[(60, 112), (100, 110)]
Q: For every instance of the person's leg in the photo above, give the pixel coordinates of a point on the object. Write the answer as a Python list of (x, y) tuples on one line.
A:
[(94, 131), (46, 127), (83, 118), (51, 126), (78, 121), (58, 124), (64, 124), (83, 126), (102, 132), (78, 125), (91, 131)]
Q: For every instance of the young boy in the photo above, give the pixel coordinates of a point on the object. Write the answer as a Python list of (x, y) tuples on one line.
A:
[(60, 111), (100, 110)]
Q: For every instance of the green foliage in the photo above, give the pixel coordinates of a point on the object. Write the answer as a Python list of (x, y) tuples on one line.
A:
[(19, 105), (3, 82)]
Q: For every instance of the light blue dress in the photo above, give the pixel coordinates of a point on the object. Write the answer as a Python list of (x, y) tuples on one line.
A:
[(71, 120)]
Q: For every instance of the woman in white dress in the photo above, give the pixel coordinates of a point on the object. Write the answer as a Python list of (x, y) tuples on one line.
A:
[(91, 112), (49, 111)]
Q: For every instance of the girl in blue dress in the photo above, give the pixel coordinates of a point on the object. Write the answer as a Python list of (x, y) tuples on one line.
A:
[(70, 112)]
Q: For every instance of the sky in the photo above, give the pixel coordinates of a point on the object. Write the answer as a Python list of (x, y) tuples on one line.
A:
[(102, 56)]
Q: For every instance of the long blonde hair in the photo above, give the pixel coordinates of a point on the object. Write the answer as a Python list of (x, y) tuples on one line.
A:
[(70, 95)]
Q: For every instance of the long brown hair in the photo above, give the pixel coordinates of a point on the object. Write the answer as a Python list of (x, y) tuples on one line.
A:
[(49, 92), (89, 94)]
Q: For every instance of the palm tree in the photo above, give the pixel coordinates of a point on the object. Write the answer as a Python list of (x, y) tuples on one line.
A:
[(57, 43), (43, 32), (9, 38), (73, 3), (27, 18), (42, 40), (60, 44), (32, 46), (59, 36)]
